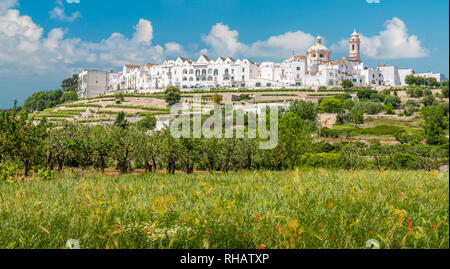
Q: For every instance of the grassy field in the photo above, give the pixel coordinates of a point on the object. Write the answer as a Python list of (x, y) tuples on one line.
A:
[(297, 209)]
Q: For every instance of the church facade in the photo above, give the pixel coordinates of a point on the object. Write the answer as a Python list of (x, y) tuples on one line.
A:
[(315, 69)]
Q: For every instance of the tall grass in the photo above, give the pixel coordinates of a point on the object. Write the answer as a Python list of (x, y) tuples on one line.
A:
[(298, 209)]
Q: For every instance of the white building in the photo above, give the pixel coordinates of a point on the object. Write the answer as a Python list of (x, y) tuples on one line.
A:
[(92, 83), (314, 70), (437, 76)]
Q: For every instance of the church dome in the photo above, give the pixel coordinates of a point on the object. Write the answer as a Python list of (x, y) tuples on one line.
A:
[(318, 46), (318, 52)]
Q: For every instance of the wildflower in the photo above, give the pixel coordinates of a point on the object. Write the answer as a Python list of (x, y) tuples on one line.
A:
[(115, 229), (208, 232), (42, 230), (334, 238), (277, 227), (56, 245), (435, 225), (410, 232), (79, 215), (409, 225), (256, 217), (334, 201), (371, 232), (145, 230), (178, 223), (408, 220), (322, 236), (320, 224), (245, 236), (296, 234), (249, 234), (350, 202), (268, 234), (261, 246)]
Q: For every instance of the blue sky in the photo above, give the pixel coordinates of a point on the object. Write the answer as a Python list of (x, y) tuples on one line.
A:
[(42, 42)]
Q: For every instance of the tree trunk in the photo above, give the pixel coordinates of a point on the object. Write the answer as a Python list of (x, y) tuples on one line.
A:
[(102, 164), (27, 167)]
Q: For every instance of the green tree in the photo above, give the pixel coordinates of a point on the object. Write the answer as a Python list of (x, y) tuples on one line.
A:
[(434, 125), (410, 80), (125, 145), (347, 84), (70, 84), (389, 109), (331, 105), (356, 116), (393, 100), (444, 91), (306, 110), (121, 120), (294, 139), (217, 98), (172, 95), (429, 100), (148, 123)]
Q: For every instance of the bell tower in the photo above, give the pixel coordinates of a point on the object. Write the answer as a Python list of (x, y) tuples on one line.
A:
[(355, 48)]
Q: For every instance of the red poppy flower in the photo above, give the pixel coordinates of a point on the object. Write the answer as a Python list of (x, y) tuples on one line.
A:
[(42, 230), (208, 232), (260, 246), (334, 238), (410, 232), (277, 227), (334, 201), (245, 236), (371, 232), (145, 231), (256, 217), (435, 225), (322, 236)]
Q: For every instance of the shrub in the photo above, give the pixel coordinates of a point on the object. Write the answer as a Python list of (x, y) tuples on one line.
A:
[(369, 107), (331, 105), (402, 160), (393, 100), (8, 170), (324, 160), (365, 94), (46, 174)]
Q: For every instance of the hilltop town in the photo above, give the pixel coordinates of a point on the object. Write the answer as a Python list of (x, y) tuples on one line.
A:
[(314, 70)]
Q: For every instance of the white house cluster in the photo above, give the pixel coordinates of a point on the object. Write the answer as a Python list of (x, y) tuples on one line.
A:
[(314, 70)]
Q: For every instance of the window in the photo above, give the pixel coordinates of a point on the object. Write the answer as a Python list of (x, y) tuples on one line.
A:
[(216, 72), (243, 69), (298, 68), (353, 47), (321, 55)]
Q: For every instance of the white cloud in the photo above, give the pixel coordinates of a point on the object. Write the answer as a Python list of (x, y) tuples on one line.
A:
[(73, 1), (373, 1), (25, 51), (7, 4), (59, 13), (224, 42), (144, 32), (392, 43), (174, 49)]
